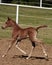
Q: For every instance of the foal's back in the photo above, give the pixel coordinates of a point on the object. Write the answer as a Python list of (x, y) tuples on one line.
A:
[(28, 32)]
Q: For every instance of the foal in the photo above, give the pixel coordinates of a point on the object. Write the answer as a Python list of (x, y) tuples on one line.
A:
[(19, 34)]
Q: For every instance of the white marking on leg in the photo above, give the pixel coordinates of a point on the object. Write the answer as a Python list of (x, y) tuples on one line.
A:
[(7, 51), (21, 50), (3, 55), (30, 53), (44, 51)]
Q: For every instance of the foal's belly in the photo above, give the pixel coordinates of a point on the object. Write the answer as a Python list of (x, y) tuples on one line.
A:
[(23, 34)]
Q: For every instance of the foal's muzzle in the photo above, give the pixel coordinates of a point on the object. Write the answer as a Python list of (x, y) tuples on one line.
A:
[(3, 27)]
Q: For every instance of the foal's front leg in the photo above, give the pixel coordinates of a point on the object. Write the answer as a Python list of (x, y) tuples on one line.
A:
[(20, 48), (10, 46), (44, 51)]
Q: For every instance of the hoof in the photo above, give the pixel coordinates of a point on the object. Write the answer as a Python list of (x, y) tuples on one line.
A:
[(47, 58), (27, 58), (3, 56)]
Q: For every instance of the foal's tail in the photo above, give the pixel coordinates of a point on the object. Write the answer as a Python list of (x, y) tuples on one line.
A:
[(41, 27)]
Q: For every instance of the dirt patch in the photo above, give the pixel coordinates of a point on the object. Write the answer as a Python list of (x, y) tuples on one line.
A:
[(15, 57)]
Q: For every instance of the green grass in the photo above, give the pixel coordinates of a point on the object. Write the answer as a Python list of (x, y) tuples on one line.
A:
[(7, 11), (36, 16), (28, 17)]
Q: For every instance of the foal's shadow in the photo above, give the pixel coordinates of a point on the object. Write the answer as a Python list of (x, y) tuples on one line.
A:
[(32, 57)]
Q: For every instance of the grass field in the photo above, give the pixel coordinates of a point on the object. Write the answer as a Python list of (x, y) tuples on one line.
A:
[(28, 17)]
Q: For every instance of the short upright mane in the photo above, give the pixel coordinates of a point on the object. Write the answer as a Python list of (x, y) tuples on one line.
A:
[(16, 24)]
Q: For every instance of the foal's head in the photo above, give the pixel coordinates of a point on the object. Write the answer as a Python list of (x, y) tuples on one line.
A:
[(8, 23)]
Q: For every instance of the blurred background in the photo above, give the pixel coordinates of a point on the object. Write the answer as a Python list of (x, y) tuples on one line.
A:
[(45, 3)]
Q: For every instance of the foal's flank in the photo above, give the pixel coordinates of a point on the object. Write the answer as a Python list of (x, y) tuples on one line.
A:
[(19, 34)]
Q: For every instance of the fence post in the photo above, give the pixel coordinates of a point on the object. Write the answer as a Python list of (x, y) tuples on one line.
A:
[(40, 3), (0, 1), (17, 12)]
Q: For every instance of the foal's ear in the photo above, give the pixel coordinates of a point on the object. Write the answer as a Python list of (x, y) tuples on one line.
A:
[(8, 18)]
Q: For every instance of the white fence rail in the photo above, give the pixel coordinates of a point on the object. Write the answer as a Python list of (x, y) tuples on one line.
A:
[(17, 5)]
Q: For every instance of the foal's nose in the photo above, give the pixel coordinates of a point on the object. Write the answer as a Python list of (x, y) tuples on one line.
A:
[(2, 27)]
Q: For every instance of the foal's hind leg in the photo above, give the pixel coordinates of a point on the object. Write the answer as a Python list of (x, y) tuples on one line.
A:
[(44, 51), (43, 48), (33, 46), (42, 45)]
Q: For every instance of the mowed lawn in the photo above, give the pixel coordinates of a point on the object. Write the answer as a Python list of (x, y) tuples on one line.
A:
[(28, 17)]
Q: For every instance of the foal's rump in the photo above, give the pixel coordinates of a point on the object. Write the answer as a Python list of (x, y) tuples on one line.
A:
[(32, 32)]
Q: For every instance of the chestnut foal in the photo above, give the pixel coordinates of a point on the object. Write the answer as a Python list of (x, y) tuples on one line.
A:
[(19, 34)]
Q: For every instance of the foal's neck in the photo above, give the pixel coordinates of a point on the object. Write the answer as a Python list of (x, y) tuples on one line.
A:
[(15, 25)]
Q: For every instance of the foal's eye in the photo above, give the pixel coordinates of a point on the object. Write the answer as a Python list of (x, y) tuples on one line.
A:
[(6, 22)]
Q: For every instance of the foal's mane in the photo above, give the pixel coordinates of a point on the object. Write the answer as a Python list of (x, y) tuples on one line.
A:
[(15, 24)]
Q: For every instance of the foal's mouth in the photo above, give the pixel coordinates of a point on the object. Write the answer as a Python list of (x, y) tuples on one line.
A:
[(2, 27)]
